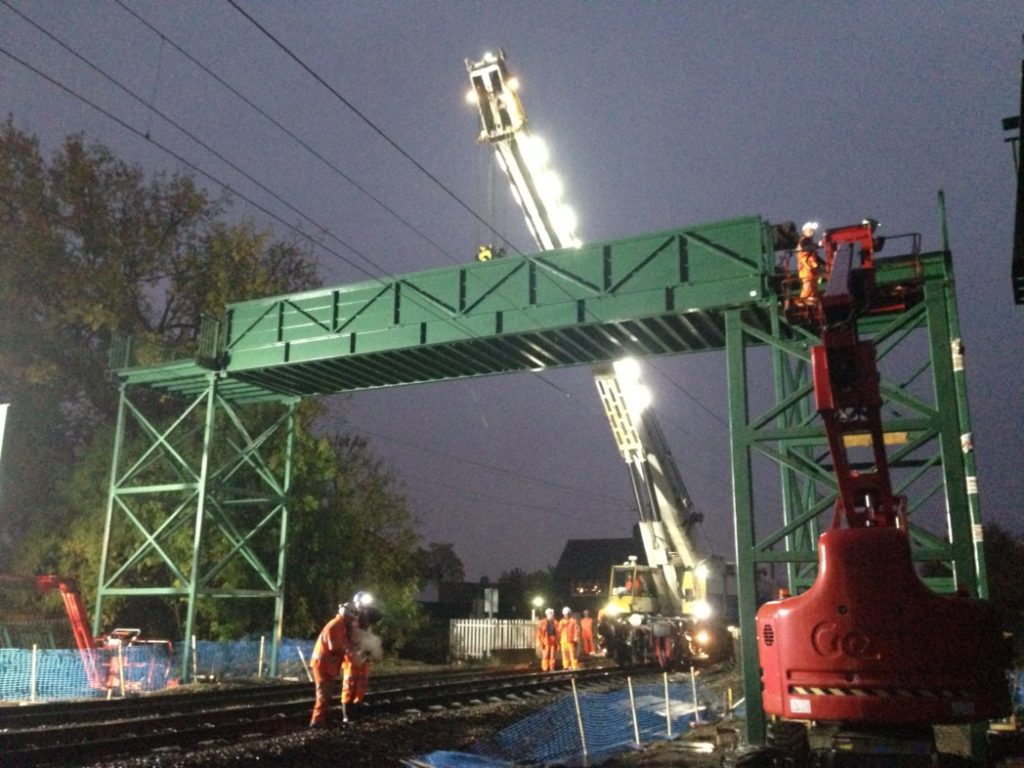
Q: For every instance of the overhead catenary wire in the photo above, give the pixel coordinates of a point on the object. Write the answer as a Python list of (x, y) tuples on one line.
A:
[(372, 125), (393, 143), (483, 465), (402, 151), (147, 135), (284, 129)]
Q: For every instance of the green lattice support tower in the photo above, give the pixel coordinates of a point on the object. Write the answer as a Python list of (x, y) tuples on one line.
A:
[(703, 288)]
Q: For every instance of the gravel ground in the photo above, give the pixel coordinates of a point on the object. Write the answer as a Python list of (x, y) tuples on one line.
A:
[(387, 740)]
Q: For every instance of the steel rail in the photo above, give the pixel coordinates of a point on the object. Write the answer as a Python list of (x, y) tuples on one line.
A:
[(199, 722)]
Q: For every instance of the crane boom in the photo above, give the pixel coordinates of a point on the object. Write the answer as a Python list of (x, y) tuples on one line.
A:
[(684, 572), (520, 155)]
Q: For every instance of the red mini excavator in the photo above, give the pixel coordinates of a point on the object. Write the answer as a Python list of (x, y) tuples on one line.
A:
[(869, 644)]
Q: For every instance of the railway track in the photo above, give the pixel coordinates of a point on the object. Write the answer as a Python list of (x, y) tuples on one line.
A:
[(87, 732)]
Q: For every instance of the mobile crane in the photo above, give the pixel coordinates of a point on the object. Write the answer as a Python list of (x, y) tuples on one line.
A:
[(674, 607), (676, 617), (869, 646)]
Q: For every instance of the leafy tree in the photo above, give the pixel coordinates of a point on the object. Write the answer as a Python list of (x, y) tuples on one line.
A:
[(90, 247), (440, 563), (361, 537)]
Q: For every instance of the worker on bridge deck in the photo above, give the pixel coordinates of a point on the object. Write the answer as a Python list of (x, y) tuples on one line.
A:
[(568, 636), (547, 640), (807, 264)]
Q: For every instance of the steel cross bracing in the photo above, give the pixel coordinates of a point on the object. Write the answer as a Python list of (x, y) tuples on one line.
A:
[(694, 289), (194, 498)]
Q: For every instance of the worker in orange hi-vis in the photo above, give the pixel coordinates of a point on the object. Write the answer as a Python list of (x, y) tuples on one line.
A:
[(343, 647), (547, 640), (364, 645), (568, 635), (587, 635), (807, 264), (328, 654)]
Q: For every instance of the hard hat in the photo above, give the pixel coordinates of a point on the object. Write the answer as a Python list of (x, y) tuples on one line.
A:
[(810, 225), (566, 611), (362, 599), (549, 611)]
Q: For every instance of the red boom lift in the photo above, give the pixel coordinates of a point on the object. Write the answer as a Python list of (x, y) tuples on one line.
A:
[(869, 645)]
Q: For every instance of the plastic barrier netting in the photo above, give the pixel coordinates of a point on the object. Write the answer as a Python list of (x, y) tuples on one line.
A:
[(552, 735), (47, 673)]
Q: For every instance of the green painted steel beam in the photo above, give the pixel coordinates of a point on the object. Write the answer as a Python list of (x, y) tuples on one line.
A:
[(651, 295)]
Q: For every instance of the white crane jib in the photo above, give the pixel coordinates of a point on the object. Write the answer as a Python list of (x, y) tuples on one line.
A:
[(523, 157)]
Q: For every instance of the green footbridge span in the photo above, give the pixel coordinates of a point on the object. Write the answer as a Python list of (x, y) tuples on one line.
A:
[(188, 464)]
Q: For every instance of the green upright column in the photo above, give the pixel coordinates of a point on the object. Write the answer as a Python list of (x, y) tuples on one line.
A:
[(108, 525), (743, 511), (203, 490)]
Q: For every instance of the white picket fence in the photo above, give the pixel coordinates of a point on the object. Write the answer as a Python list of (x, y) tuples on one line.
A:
[(479, 638)]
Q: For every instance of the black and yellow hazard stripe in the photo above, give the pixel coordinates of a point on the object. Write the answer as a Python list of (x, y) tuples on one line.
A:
[(878, 692)]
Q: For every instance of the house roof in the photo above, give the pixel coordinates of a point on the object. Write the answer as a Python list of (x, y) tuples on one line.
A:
[(591, 558)]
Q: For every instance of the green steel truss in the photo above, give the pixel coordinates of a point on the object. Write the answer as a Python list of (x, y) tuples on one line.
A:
[(710, 287), (197, 499)]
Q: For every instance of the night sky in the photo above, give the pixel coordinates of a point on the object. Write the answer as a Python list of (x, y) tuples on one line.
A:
[(658, 115)]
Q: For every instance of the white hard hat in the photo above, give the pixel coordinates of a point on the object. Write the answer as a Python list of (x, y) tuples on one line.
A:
[(362, 599), (566, 611), (810, 225), (549, 611)]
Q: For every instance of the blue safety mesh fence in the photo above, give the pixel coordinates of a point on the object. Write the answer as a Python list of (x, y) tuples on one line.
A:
[(60, 673), (1017, 687), (552, 735), (251, 658)]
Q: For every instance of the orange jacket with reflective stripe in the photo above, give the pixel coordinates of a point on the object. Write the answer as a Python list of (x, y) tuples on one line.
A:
[(569, 630), (547, 632), (331, 646)]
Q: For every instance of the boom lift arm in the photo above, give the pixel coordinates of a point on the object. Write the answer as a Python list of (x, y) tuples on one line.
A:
[(868, 644)]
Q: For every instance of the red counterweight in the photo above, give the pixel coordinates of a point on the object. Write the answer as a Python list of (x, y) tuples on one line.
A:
[(869, 642)]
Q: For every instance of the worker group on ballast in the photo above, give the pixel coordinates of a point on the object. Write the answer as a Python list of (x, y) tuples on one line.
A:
[(564, 634)]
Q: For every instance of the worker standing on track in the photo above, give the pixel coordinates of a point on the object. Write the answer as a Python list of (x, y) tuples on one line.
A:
[(328, 654), (807, 264), (587, 635), (547, 640), (568, 635), (355, 667), (339, 649)]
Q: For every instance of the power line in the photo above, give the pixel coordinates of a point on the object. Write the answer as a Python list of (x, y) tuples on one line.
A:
[(255, 181), (356, 111), (228, 188), (518, 504), (380, 132), (201, 143), (489, 467), (184, 161), (284, 129), (197, 169), (239, 170), (373, 126)]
